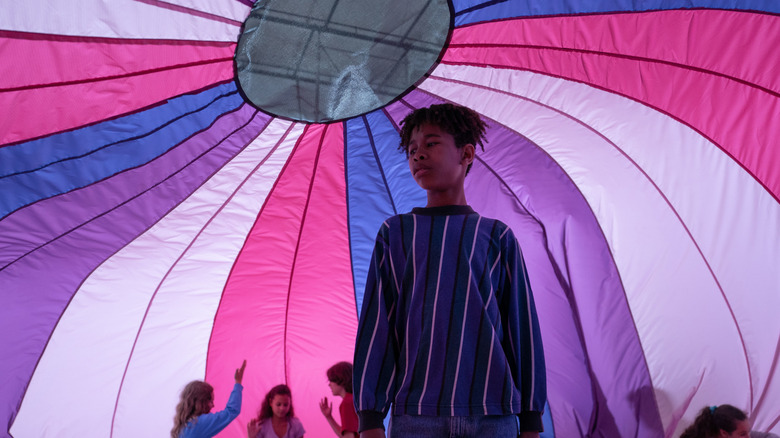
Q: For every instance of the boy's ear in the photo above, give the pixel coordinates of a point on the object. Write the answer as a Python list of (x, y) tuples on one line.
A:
[(467, 153)]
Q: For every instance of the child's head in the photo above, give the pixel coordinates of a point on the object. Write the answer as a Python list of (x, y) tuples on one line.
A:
[(278, 402), (724, 421), (341, 374), (196, 398), (463, 124)]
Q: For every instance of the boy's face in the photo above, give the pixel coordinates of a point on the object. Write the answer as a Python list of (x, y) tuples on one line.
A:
[(336, 389), (437, 165)]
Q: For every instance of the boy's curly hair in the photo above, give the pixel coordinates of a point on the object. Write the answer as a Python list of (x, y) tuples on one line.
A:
[(463, 124)]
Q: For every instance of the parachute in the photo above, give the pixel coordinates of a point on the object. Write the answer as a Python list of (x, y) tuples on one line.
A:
[(156, 226)]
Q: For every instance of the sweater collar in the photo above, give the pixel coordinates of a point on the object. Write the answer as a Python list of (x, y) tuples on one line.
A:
[(445, 210)]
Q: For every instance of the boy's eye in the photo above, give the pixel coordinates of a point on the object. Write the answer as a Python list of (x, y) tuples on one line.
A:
[(411, 152)]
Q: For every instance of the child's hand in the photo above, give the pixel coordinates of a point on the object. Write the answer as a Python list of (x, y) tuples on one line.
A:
[(253, 428), (240, 373), (325, 407)]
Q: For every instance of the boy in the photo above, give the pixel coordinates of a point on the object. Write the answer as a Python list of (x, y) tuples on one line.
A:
[(340, 383), (448, 331)]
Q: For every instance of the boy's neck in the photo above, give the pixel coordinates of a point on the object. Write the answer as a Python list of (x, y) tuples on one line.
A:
[(441, 199)]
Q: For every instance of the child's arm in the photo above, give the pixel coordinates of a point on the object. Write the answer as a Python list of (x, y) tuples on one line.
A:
[(239, 376), (526, 338), (327, 410), (375, 361), (211, 424)]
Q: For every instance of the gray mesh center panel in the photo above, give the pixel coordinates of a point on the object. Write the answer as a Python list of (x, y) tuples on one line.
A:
[(320, 61)]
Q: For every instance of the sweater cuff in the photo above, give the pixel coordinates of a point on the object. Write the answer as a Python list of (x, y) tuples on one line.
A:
[(370, 420), (530, 421)]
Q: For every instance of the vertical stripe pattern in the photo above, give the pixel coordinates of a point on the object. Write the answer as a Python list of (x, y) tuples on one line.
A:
[(464, 338)]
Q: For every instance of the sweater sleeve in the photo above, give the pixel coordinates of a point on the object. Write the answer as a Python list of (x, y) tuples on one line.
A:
[(375, 346), (526, 340), (212, 424)]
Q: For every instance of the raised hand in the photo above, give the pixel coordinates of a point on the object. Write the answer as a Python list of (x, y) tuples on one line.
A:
[(325, 407), (240, 372), (253, 428)]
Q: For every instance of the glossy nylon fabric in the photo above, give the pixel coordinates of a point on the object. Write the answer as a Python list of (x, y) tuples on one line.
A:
[(146, 73), (155, 229)]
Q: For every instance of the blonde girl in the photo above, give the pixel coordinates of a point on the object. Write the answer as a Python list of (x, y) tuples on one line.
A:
[(193, 418)]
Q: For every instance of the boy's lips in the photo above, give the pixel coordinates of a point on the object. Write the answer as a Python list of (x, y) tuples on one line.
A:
[(420, 168)]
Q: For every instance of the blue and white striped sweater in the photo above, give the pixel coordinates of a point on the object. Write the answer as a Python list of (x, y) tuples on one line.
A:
[(448, 325)]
